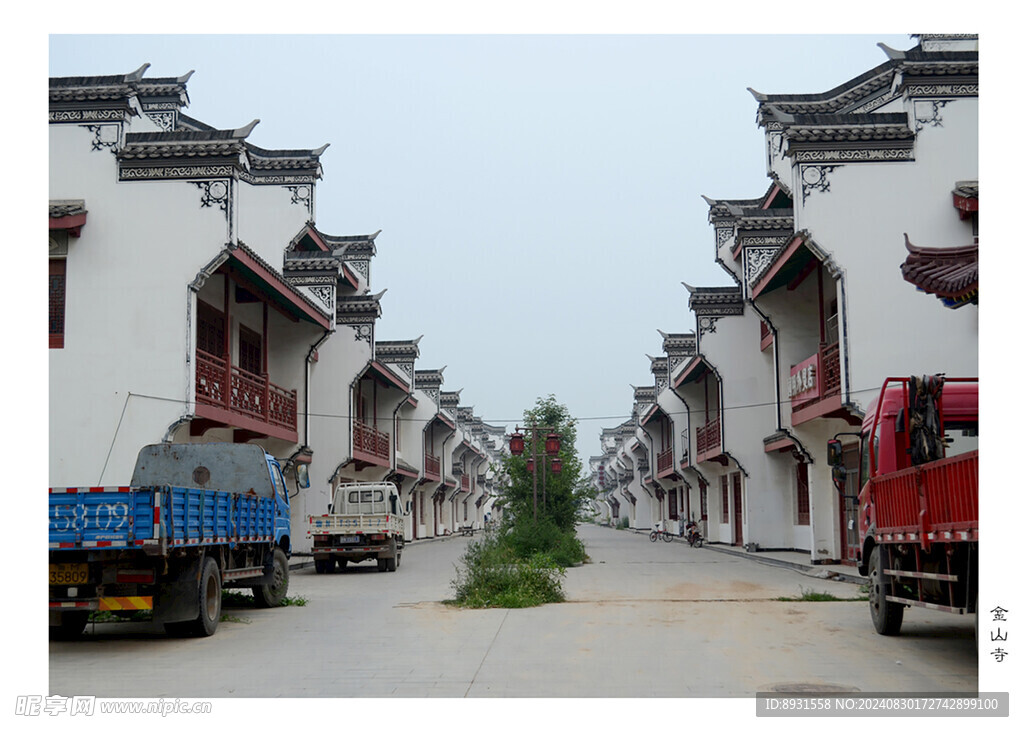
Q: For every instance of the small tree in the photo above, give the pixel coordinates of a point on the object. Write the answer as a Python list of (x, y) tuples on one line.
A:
[(560, 496), (519, 562)]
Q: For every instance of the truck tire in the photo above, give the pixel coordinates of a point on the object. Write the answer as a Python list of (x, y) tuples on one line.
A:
[(342, 564), (885, 614), (320, 565), (206, 623), (72, 623), (382, 565), (390, 564), (273, 594)]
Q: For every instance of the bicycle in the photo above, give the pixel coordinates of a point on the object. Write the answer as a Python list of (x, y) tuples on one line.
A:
[(665, 535)]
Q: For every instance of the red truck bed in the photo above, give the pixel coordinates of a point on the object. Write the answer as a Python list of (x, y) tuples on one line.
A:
[(937, 501)]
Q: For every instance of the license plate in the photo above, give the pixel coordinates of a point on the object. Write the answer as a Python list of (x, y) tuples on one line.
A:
[(69, 574), (348, 539)]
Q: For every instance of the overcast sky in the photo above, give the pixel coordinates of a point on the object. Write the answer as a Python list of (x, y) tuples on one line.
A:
[(539, 196)]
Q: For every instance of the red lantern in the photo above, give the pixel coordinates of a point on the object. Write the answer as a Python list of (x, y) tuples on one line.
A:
[(556, 465), (516, 444), (529, 464), (552, 444)]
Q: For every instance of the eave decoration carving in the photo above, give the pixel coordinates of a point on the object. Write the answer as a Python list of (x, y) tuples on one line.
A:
[(360, 314), (216, 193), (89, 115), (756, 259), (105, 137), (814, 178), (302, 195), (324, 294), (928, 113)]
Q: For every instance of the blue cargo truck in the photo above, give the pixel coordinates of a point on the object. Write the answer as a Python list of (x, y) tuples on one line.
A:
[(196, 518)]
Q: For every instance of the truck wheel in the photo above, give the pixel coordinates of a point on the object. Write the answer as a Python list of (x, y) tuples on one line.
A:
[(209, 605), (382, 565), (320, 565), (71, 626), (391, 564), (209, 600), (885, 614), (273, 595), (342, 564)]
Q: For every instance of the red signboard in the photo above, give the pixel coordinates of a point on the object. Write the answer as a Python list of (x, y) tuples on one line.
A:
[(804, 385)]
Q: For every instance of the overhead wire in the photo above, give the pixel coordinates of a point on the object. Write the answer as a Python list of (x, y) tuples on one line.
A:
[(609, 418)]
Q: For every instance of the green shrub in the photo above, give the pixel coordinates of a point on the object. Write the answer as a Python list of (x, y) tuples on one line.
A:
[(493, 574), (527, 537)]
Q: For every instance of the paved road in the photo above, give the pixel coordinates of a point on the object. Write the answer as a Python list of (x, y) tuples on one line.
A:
[(642, 620)]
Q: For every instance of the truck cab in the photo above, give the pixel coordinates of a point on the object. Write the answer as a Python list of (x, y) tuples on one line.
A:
[(366, 521), (282, 506), (371, 498)]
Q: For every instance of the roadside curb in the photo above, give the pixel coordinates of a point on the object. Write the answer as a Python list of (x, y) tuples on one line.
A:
[(816, 571)]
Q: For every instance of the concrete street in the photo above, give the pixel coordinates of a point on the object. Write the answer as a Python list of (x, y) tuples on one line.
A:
[(642, 620)]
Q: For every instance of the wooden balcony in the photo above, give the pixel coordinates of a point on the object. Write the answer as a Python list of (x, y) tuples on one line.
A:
[(766, 336), (709, 439), (665, 463), (830, 370), (370, 446), (465, 483), (228, 396), (826, 402), (431, 467)]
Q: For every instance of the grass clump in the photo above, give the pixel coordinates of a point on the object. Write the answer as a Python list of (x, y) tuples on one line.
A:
[(508, 568), (106, 616), (816, 596), (235, 598)]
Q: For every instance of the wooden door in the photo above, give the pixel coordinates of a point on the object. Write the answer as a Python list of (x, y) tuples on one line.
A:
[(737, 509)]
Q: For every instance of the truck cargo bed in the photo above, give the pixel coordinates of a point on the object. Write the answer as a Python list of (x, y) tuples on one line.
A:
[(139, 516), (936, 501), (355, 524)]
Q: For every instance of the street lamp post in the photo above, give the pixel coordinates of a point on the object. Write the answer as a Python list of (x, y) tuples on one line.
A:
[(552, 444)]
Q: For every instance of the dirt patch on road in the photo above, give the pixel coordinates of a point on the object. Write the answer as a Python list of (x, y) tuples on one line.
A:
[(735, 590)]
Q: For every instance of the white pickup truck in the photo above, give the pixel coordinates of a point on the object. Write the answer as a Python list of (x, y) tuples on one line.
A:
[(365, 521)]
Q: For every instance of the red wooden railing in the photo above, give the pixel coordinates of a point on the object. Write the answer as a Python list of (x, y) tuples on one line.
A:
[(665, 461), (432, 466), (243, 393), (709, 436), (831, 380), (829, 377), (248, 393), (465, 484), (371, 441), (283, 406)]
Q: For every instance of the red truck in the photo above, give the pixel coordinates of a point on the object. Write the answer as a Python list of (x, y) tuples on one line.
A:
[(918, 498)]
